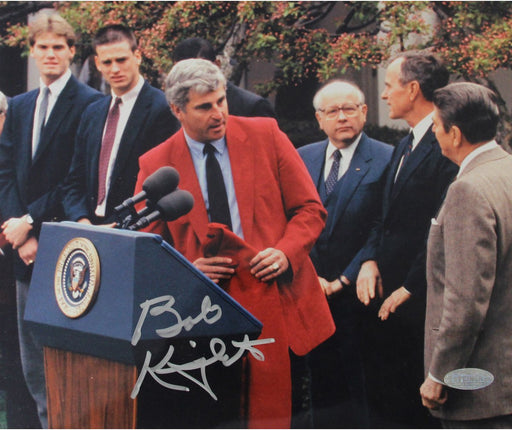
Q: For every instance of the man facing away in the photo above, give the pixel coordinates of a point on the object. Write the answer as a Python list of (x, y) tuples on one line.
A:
[(266, 207), (348, 169), (394, 256), (468, 327), (115, 131), (36, 148)]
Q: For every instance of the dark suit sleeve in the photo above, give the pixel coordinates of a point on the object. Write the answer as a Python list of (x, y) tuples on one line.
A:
[(416, 277), (74, 198), (264, 108), (10, 202), (166, 124)]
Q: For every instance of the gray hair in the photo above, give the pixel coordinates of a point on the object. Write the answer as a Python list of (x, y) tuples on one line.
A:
[(3, 102), (345, 85), (196, 74), (471, 107)]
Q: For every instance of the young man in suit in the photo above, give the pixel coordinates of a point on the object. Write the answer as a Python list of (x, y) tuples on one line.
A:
[(348, 169), (35, 153), (469, 267), (394, 256), (240, 101), (115, 131), (268, 205)]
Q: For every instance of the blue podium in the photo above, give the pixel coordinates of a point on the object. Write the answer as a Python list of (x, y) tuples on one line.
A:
[(118, 311)]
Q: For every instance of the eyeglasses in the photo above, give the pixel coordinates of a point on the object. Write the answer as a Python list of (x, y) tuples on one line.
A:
[(333, 112)]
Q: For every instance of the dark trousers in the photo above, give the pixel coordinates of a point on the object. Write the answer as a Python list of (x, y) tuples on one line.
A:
[(501, 422)]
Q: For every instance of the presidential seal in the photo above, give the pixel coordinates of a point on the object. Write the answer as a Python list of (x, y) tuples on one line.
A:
[(77, 277)]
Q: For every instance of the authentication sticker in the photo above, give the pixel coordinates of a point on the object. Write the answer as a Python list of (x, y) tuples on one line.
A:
[(77, 276), (468, 379)]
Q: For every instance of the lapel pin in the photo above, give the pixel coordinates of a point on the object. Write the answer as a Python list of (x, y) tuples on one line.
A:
[(357, 169)]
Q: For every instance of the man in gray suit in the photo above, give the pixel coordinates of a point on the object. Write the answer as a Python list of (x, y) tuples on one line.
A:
[(468, 327)]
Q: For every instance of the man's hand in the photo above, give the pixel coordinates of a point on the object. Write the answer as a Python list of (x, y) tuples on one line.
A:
[(368, 282), (433, 394), (332, 288), (216, 268), (28, 251), (269, 264), (16, 231), (391, 304)]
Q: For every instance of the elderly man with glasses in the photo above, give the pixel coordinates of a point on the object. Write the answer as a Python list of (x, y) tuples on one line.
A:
[(348, 170)]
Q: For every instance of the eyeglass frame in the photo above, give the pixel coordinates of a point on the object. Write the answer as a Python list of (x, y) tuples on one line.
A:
[(341, 108)]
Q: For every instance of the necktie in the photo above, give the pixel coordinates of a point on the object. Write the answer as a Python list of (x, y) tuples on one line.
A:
[(217, 196), (43, 109), (407, 152), (106, 149), (332, 178)]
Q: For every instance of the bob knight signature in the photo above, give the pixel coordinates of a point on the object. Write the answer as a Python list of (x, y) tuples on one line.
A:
[(208, 314)]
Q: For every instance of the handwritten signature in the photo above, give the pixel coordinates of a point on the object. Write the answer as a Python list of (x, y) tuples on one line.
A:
[(209, 314)]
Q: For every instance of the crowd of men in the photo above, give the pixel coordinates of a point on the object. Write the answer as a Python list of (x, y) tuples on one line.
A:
[(378, 269)]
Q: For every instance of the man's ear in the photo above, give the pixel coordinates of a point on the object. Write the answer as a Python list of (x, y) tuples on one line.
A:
[(414, 90), (456, 136)]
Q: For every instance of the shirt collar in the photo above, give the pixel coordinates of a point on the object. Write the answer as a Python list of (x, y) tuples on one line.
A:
[(132, 94), (58, 85), (196, 148), (421, 128), (345, 152), (473, 154)]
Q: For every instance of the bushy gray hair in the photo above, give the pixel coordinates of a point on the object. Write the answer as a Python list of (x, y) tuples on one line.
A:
[(196, 74), (337, 83)]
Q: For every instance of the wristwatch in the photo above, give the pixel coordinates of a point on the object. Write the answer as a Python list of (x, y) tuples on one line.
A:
[(28, 219)]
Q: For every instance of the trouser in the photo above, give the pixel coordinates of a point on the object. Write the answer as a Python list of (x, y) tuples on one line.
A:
[(32, 357), (501, 422)]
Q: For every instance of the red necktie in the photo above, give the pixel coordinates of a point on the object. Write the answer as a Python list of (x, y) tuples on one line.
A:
[(106, 149)]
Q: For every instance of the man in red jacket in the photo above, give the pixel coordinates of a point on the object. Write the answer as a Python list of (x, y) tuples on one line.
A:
[(264, 196)]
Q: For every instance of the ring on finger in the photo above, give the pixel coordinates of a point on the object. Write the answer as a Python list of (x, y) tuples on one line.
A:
[(275, 267)]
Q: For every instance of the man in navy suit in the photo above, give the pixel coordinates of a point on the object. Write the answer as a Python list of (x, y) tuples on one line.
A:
[(36, 148), (240, 101), (348, 169), (105, 164), (394, 267)]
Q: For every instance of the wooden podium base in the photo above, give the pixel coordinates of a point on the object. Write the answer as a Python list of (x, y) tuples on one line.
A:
[(88, 392)]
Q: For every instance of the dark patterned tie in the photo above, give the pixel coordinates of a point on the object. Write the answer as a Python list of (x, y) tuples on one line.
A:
[(217, 196), (332, 178), (407, 152), (106, 149), (43, 108)]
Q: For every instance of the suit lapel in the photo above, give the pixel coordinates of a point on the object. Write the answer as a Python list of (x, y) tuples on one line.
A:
[(315, 163), (60, 111), (25, 150), (243, 170), (134, 124), (181, 160), (357, 170), (94, 140), (415, 159)]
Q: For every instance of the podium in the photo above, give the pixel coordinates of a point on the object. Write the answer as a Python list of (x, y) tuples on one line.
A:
[(119, 311)]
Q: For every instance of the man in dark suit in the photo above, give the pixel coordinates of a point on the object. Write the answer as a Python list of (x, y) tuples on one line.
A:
[(240, 101), (352, 195), (35, 153), (394, 269), (115, 131), (469, 268)]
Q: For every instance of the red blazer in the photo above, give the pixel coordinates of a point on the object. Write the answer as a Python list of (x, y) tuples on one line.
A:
[(279, 207)]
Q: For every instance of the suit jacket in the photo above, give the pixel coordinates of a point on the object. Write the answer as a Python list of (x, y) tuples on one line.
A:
[(355, 208), (469, 270), (36, 186), (150, 123), (244, 103), (398, 242)]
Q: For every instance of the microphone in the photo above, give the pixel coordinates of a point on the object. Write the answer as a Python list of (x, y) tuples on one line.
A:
[(168, 208), (162, 182)]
